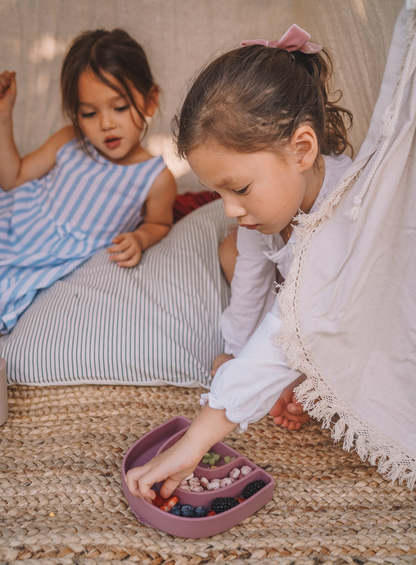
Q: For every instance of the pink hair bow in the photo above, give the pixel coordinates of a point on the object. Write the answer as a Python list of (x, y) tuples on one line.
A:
[(295, 39)]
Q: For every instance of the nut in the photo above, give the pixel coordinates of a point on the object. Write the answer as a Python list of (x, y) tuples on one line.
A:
[(234, 473), (246, 470), (226, 482), (204, 481), (196, 488), (213, 486)]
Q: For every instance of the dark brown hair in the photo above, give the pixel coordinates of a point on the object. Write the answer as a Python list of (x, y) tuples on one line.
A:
[(255, 97), (114, 52)]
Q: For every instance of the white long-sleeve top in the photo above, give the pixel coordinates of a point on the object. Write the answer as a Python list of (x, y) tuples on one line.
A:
[(248, 386)]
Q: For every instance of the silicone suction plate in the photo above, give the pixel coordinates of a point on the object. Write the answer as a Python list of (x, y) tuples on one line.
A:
[(160, 439)]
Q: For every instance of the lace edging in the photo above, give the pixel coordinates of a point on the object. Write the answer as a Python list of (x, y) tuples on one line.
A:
[(316, 393)]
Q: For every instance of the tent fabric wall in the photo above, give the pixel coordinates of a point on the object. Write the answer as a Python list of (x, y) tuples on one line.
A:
[(179, 37), (348, 305)]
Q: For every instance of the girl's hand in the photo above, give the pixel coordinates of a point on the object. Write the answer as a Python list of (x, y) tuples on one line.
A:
[(127, 251), (218, 361), (174, 465), (8, 92), (180, 460)]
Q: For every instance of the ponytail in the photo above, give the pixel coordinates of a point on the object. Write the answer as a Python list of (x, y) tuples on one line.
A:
[(338, 120)]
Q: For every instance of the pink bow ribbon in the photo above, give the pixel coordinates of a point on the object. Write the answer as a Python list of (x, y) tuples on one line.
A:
[(295, 39)]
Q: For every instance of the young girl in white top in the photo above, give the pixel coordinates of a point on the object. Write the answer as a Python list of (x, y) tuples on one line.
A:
[(92, 185), (259, 128)]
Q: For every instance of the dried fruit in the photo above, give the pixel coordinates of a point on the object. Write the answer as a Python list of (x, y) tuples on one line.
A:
[(170, 503), (158, 501)]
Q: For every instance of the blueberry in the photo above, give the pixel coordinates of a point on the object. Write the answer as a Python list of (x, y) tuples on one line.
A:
[(201, 511), (188, 511), (176, 510)]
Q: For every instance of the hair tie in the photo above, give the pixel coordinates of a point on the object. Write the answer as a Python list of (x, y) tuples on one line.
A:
[(295, 39)]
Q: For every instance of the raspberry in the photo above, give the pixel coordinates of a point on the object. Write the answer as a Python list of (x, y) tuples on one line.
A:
[(252, 488), (223, 504)]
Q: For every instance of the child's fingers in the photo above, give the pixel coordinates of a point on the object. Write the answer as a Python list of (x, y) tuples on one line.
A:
[(121, 256), (138, 486), (132, 262), (130, 255), (122, 246), (119, 238), (7, 84), (168, 487), (4, 84), (12, 86)]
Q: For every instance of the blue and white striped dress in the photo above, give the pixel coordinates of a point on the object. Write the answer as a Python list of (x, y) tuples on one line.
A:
[(49, 226)]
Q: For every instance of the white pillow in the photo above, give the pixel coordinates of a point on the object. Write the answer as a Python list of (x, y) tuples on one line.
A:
[(158, 323)]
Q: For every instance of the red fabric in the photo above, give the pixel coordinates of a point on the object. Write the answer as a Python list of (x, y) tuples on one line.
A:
[(186, 203)]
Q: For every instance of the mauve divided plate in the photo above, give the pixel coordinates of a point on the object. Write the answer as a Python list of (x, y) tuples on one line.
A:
[(160, 439)]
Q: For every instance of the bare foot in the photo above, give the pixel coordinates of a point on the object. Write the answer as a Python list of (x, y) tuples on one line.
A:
[(218, 361), (287, 412)]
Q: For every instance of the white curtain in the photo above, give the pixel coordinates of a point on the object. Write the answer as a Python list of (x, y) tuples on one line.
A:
[(349, 303), (179, 36)]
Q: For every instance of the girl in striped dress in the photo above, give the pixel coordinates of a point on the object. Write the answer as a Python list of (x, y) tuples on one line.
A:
[(91, 185)]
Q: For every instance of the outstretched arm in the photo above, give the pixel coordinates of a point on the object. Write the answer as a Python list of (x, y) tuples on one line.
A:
[(158, 220), (181, 459), (243, 391), (14, 169)]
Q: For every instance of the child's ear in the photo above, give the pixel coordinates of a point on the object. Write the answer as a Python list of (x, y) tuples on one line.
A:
[(305, 146), (152, 101)]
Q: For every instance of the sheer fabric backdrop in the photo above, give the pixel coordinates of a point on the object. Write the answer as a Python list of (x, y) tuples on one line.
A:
[(179, 36)]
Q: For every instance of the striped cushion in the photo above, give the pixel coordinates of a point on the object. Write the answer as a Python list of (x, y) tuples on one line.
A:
[(158, 323)]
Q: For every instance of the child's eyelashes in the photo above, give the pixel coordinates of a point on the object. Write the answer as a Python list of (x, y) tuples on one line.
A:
[(242, 191), (118, 109)]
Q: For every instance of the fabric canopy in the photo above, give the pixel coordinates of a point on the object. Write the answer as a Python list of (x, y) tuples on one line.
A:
[(179, 37), (349, 304)]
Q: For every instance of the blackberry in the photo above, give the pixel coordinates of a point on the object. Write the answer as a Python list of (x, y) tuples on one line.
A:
[(188, 511), (223, 504), (201, 511), (176, 510), (252, 488)]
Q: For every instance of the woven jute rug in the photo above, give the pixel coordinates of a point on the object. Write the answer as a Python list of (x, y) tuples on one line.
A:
[(61, 500)]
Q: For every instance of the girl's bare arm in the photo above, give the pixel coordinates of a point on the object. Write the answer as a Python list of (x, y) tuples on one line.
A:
[(181, 459), (14, 169), (158, 218)]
